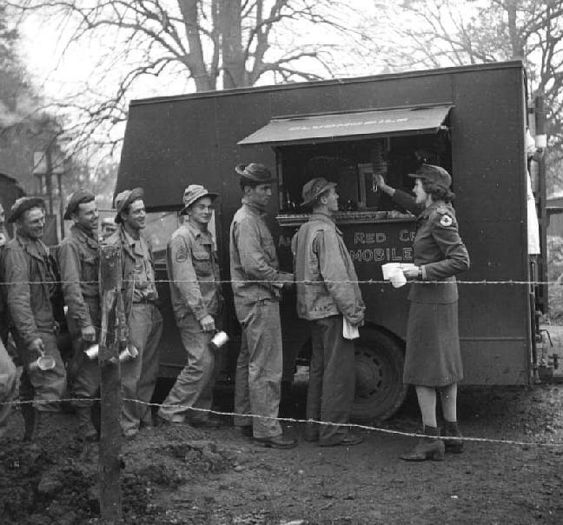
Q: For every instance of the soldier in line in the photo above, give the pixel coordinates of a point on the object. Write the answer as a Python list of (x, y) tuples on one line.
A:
[(31, 277), (257, 283), (143, 319), (328, 295), (7, 367), (78, 261), (195, 291)]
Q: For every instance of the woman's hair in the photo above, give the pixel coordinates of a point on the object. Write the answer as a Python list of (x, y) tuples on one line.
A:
[(437, 191), (248, 182)]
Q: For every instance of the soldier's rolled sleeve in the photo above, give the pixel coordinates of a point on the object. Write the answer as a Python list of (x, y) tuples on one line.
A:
[(252, 256), (335, 275), (19, 294), (69, 263), (184, 276), (456, 256)]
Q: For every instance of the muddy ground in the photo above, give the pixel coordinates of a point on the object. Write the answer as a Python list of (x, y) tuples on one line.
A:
[(183, 475)]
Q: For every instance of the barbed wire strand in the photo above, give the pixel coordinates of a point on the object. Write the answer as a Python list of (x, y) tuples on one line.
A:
[(281, 281), (298, 421)]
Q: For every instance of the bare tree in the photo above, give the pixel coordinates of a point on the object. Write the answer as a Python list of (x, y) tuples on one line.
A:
[(210, 44), (24, 125), (448, 32)]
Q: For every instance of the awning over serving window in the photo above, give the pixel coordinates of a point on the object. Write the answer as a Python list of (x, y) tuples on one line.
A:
[(357, 125)]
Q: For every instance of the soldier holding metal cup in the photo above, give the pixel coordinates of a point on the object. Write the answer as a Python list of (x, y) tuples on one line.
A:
[(195, 291)]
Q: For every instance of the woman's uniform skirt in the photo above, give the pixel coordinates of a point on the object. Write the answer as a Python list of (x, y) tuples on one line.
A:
[(433, 356)]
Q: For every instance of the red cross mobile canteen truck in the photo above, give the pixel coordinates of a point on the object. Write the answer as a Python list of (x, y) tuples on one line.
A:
[(470, 120)]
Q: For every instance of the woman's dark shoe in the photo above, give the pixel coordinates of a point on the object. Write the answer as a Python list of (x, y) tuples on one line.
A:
[(455, 446), (430, 447)]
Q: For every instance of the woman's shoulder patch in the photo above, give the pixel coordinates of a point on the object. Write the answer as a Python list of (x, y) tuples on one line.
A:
[(446, 220)]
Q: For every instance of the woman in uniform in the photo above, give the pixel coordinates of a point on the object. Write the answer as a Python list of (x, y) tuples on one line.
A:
[(433, 358)]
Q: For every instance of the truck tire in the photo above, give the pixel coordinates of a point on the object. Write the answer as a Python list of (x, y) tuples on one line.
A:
[(379, 376)]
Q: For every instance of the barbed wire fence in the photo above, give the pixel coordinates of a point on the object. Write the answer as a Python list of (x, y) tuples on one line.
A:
[(367, 428)]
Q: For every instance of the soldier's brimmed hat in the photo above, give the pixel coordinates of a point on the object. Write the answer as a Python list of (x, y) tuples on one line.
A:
[(193, 193), (22, 205), (123, 199), (315, 187), (435, 174), (255, 172), (76, 199)]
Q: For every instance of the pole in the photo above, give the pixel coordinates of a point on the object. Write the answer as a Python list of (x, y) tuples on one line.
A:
[(49, 179), (61, 205), (110, 338), (542, 203)]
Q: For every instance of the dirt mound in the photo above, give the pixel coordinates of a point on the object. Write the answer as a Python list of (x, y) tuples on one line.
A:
[(56, 479)]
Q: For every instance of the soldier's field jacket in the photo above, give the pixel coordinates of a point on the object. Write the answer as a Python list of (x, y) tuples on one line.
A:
[(255, 271), (438, 250), (31, 277), (137, 269), (193, 271), (323, 261), (78, 262)]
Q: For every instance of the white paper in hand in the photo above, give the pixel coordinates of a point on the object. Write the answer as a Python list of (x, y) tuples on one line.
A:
[(349, 331)]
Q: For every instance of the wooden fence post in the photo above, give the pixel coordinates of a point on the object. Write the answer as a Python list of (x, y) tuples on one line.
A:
[(110, 338)]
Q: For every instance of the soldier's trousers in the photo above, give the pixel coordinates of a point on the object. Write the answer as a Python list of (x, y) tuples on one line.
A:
[(331, 378), (259, 368), (84, 373), (7, 386), (194, 385), (45, 387), (138, 376)]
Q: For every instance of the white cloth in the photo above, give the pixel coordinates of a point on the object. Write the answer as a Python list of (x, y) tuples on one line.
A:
[(533, 224)]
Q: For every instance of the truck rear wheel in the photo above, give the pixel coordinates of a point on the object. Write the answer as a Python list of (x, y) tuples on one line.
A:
[(379, 383)]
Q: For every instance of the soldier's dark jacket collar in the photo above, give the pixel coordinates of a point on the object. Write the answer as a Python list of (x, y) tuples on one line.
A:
[(34, 247), (84, 235), (134, 246)]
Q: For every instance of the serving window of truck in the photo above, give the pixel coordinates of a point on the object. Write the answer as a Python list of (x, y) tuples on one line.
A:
[(471, 120)]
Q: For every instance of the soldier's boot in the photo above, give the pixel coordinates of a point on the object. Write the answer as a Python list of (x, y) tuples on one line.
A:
[(86, 429), (430, 447), (454, 446), (31, 419)]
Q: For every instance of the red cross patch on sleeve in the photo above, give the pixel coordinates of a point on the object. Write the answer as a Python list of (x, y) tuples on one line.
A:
[(446, 221)]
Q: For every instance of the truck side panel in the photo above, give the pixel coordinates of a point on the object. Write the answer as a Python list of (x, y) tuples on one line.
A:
[(176, 141)]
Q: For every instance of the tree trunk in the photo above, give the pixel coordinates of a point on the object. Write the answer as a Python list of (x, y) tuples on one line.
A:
[(195, 60), (230, 26), (515, 40)]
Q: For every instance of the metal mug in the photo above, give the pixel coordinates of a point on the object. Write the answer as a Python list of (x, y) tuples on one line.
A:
[(130, 352), (92, 351), (43, 363), (218, 340)]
